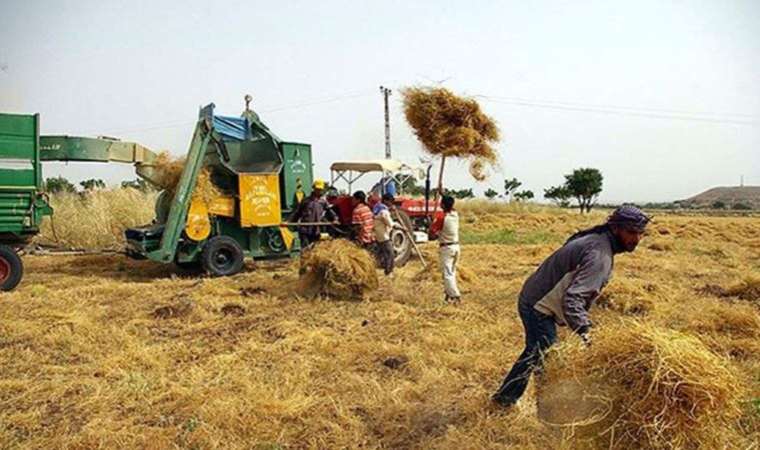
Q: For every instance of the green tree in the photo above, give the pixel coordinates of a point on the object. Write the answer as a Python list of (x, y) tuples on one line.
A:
[(585, 185), (58, 184), (138, 183), (410, 187), (741, 206), (459, 193), (510, 186), (92, 184), (560, 195), (524, 195), (490, 194), (718, 205)]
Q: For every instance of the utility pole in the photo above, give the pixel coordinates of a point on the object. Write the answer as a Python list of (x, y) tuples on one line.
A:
[(741, 183), (386, 92)]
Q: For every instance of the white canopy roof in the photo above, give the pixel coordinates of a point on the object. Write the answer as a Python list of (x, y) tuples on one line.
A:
[(378, 165)]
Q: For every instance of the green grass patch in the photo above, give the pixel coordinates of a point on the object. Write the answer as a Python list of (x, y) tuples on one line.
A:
[(507, 237)]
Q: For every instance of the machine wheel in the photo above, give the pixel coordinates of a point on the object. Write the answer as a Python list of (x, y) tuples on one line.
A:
[(11, 268), (402, 245), (222, 256)]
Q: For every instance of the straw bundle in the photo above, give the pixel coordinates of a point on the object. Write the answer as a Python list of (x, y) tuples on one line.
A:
[(168, 171), (337, 268), (448, 125), (664, 389)]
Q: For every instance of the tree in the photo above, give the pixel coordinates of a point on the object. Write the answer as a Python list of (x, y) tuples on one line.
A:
[(585, 185), (490, 194), (560, 195), (92, 184), (718, 205), (524, 195), (58, 184), (410, 187), (741, 206), (459, 193), (510, 186), (138, 183)]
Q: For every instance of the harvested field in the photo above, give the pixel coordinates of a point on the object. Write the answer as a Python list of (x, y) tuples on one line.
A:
[(102, 351)]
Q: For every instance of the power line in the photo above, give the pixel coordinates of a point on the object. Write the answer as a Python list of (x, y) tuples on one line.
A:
[(615, 111)]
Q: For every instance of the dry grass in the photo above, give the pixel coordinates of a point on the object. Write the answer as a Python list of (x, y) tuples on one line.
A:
[(168, 171), (96, 220), (337, 268), (102, 351)]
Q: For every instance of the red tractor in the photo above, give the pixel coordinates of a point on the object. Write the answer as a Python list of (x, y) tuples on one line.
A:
[(413, 214)]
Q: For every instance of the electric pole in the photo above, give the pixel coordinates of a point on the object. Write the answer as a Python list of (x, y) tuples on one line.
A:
[(386, 92)]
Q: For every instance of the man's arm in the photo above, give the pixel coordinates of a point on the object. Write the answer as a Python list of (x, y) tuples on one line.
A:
[(298, 212), (591, 274)]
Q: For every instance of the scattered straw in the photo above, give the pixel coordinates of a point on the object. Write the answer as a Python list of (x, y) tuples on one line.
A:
[(337, 268), (433, 270), (747, 289), (666, 389)]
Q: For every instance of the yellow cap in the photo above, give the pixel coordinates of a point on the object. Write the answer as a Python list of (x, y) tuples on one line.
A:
[(318, 184)]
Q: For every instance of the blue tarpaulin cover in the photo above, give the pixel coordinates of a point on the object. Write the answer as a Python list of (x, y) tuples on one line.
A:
[(232, 127)]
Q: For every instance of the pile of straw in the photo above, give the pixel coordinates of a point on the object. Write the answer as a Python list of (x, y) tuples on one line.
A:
[(627, 297), (337, 268), (449, 125), (663, 389), (95, 220), (168, 171)]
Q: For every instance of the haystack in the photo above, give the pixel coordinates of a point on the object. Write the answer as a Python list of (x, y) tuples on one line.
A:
[(452, 126), (337, 268), (168, 171), (662, 389)]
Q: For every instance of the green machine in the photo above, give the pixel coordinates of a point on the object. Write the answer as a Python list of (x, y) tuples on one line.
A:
[(258, 178)]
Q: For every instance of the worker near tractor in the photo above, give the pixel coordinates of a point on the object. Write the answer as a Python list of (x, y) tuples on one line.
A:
[(362, 220), (562, 290), (383, 224), (313, 209), (446, 229)]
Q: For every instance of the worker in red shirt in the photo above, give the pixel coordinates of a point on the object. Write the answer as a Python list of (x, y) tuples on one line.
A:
[(362, 219)]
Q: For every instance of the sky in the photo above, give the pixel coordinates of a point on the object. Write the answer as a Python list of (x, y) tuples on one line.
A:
[(663, 97)]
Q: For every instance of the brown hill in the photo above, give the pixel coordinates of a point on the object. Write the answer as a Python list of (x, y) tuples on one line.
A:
[(729, 196)]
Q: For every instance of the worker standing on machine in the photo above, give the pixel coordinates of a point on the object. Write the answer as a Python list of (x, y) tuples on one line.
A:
[(362, 220), (383, 227), (312, 210)]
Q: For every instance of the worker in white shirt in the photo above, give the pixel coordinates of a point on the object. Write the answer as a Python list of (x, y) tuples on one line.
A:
[(446, 229), (382, 227)]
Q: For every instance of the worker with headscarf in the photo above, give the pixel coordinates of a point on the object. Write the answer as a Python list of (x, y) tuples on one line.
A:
[(563, 288)]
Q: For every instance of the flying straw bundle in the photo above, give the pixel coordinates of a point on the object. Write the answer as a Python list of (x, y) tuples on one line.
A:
[(664, 389), (449, 125), (168, 171), (337, 268)]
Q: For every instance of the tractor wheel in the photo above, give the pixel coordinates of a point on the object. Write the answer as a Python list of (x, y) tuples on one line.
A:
[(11, 268), (402, 245), (222, 256)]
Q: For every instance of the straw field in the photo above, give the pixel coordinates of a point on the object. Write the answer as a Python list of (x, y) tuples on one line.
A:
[(99, 351)]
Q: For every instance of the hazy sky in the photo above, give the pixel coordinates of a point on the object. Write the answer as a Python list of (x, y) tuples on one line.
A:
[(662, 96)]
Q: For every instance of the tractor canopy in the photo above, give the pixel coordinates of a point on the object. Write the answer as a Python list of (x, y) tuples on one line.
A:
[(392, 171)]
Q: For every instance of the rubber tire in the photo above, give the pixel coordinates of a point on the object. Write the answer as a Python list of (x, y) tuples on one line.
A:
[(402, 251), (15, 265), (226, 247)]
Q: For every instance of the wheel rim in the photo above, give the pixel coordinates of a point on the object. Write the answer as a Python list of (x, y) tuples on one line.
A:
[(398, 238), (5, 270), (223, 258)]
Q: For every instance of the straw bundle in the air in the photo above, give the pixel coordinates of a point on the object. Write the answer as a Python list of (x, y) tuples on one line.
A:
[(337, 268), (449, 125), (168, 171), (664, 389)]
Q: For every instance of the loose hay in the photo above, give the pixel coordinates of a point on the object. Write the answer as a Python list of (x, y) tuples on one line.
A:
[(665, 389), (433, 269), (337, 268), (747, 289), (448, 125), (168, 171)]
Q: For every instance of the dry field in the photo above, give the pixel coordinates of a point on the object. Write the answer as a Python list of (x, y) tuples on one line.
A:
[(99, 351)]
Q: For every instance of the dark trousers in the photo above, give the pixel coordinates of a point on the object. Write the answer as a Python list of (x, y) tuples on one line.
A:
[(540, 334), (385, 256), (307, 239)]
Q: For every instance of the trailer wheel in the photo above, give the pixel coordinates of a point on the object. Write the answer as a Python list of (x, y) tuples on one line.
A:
[(222, 256), (11, 268), (402, 245)]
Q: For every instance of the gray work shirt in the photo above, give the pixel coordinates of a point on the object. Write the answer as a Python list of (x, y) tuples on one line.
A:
[(569, 281)]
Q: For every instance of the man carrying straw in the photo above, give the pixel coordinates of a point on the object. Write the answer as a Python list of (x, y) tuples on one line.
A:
[(446, 229), (563, 288)]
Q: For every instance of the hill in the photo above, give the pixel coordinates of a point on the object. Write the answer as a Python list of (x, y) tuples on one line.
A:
[(730, 196)]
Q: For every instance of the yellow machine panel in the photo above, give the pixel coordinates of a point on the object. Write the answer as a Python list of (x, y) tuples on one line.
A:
[(222, 206), (259, 200), (198, 226)]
